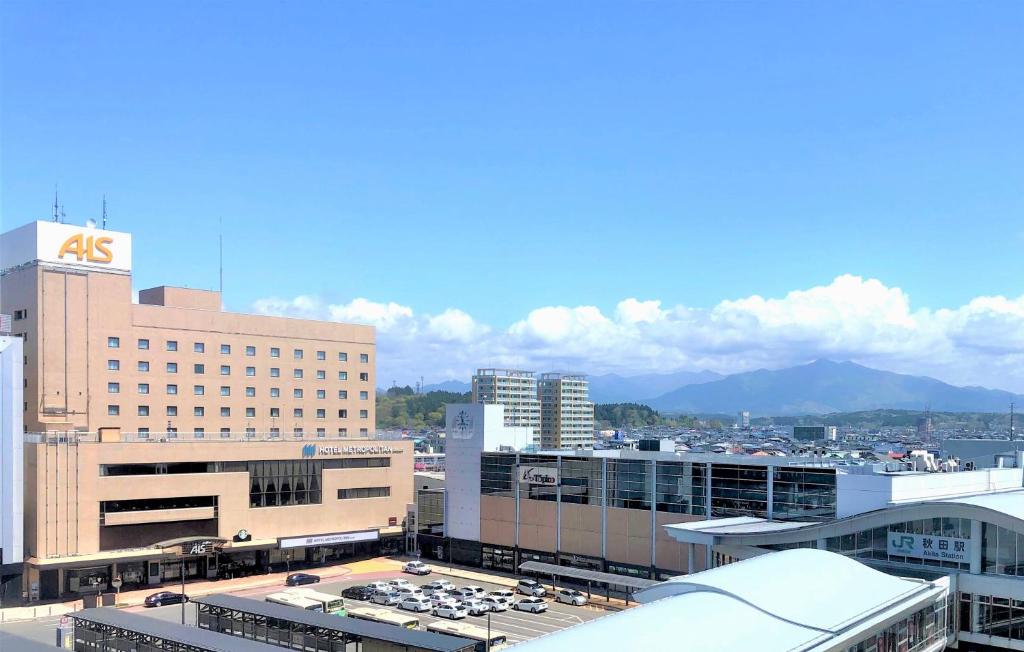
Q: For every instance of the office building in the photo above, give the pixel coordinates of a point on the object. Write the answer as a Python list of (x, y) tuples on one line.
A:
[(815, 433), (169, 419), (566, 413), (513, 388), (174, 362), (11, 471)]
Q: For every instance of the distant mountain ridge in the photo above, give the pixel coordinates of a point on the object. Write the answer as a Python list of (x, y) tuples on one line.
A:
[(448, 386), (613, 388), (825, 386)]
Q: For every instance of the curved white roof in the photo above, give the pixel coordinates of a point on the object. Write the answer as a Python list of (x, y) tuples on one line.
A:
[(802, 599), (1010, 503), (798, 585)]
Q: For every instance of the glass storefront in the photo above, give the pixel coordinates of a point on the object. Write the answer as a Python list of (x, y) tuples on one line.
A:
[(918, 631), (992, 616), (803, 493), (497, 558), (87, 580), (1002, 551)]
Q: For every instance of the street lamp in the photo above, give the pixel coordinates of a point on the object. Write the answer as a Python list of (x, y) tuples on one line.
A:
[(488, 645)]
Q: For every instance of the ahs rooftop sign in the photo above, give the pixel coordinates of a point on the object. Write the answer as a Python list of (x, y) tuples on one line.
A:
[(67, 244)]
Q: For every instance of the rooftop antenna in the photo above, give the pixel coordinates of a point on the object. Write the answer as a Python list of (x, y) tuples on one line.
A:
[(104, 211), (56, 205)]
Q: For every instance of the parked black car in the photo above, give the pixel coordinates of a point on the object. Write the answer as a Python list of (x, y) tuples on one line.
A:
[(165, 597), (357, 593), (298, 579)]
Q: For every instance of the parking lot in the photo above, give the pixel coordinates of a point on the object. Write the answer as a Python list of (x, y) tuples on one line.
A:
[(517, 626)]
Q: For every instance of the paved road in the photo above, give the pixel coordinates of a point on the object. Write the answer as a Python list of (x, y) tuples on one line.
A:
[(517, 626)]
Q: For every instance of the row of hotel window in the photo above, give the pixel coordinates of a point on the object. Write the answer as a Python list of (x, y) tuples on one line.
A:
[(114, 410), (225, 349), (228, 433), (225, 370), (225, 390)]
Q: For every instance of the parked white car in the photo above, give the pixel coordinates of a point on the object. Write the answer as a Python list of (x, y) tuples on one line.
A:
[(400, 582), (533, 605), (571, 596), (416, 568), (438, 599), (451, 611), (388, 598), (531, 588), (409, 592), (475, 607), (438, 585), (494, 604), (468, 592), (415, 603), (505, 595), (378, 586)]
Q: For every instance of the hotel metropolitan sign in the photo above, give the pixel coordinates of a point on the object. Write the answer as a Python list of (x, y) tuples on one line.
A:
[(312, 450), (928, 546)]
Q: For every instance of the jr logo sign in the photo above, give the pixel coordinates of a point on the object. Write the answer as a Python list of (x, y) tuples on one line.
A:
[(87, 248)]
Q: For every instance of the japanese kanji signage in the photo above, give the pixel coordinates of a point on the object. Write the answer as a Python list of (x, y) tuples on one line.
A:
[(928, 546)]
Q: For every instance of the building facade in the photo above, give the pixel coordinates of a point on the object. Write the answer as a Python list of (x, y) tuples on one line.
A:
[(99, 506), (173, 362), (11, 471), (169, 418), (566, 413), (513, 388)]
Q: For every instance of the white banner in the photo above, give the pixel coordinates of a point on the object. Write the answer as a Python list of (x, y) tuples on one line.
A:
[(541, 475), (329, 539), (928, 546)]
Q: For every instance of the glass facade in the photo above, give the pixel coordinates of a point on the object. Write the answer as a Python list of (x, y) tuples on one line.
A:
[(992, 616), (918, 631), (804, 493), (681, 488), (287, 482), (430, 511), (874, 543), (630, 484), (581, 481), (739, 490), (496, 470), (1002, 551)]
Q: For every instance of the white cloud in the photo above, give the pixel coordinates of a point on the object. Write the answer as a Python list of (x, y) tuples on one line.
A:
[(981, 342)]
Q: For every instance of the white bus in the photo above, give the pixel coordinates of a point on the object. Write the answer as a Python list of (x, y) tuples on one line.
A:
[(297, 601), (331, 603), (383, 616), (472, 632)]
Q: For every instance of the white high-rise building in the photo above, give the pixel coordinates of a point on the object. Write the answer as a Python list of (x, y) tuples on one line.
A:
[(513, 388), (566, 413)]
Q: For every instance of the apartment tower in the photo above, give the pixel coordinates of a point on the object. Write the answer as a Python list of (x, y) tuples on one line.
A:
[(566, 413), (513, 388)]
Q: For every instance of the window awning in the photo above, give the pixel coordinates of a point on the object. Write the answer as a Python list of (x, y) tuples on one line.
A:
[(586, 575)]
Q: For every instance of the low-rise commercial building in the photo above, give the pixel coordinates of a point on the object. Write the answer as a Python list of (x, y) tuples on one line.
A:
[(11, 471)]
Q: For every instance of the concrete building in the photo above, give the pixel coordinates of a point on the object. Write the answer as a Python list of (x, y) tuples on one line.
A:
[(513, 388), (170, 419), (566, 413), (174, 362), (12, 482), (743, 420)]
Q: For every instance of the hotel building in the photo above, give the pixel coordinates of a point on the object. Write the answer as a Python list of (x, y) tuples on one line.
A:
[(168, 418), (566, 414)]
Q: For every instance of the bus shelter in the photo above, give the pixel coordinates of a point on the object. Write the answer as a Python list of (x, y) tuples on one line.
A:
[(590, 577), (299, 629), (107, 629)]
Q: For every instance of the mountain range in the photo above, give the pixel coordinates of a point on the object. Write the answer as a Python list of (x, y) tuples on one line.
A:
[(820, 387), (825, 386)]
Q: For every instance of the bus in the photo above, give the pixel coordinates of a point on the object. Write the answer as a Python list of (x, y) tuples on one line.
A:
[(331, 603), (383, 616), (297, 601), (473, 632)]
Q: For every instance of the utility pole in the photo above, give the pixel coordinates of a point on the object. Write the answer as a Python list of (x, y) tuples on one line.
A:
[(1012, 436)]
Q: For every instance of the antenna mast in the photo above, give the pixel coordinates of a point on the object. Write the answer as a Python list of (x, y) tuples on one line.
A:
[(1012, 437), (104, 211), (56, 207)]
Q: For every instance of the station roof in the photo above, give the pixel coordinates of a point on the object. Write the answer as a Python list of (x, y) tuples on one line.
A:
[(362, 628), (585, 575), (791, 600), (170, 631)]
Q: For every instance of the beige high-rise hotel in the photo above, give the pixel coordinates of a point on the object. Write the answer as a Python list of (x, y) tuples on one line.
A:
[(170, 417)]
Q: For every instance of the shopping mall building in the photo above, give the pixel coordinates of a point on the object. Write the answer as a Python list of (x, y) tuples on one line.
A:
[(168, 427)]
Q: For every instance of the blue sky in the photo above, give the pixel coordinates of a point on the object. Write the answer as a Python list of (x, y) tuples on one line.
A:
[(468, 170)]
